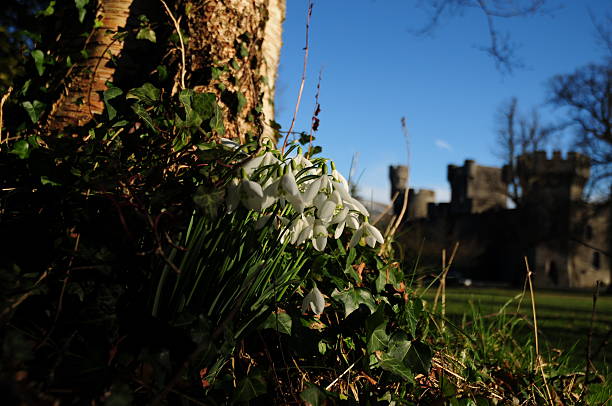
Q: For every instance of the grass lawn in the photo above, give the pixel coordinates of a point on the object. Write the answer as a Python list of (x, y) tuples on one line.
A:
[(564, 318)]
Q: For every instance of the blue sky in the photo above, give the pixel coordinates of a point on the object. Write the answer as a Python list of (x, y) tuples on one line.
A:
[(376, 70)]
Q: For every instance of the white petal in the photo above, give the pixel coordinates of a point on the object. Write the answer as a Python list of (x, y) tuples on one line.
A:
[(251, 189), (371, 241), (327, 210), (305, 234), (340, 216), (314, 301), (297, 203), (339, 230), (312, 190), (360, 207), (319, 201), (373, 231), (252, 164), (352, 221), (289, 185), (319, 243)]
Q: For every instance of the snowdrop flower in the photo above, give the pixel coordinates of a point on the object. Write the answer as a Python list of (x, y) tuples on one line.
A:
[(313, 301), (369, 233), (319, 237)]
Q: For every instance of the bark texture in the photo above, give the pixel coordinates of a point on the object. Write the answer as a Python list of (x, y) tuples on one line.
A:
[(234, 51), (81, 98)]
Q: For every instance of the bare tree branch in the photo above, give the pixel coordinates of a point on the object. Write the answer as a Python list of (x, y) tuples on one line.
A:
[(500, 47)]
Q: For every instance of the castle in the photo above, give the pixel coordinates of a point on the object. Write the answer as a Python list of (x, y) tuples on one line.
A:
[(565, 239)]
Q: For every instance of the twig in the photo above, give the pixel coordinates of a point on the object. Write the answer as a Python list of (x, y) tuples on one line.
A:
[(346, 371), (2, 101), (315, 116), (177, 27), (299, 98), (535, 333)]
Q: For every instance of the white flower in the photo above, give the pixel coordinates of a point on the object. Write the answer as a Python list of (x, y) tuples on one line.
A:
[(251, 194), (319, 236), (313, 301), (369, 233)]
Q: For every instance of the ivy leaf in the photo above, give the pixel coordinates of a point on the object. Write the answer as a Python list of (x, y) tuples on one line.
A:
[(353, 297), (378, 340), (144, 115), (21, 149), (34, 109), (147, 94), (249, 388), (204, 104), (419, 357), (399, 345), (80, 5), (39, 61), (396, 366), (110, 94), (162, 73), (313, 395), (279, 321), (209, 200), (48, 11), (46, 181), (146, 33)]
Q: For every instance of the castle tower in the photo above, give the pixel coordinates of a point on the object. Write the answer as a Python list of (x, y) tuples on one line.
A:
[(418, 202), (556, 217), (476, 188), (398, 175), (557, 180)]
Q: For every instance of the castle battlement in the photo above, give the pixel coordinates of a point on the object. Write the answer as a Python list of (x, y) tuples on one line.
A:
[(538, 164)]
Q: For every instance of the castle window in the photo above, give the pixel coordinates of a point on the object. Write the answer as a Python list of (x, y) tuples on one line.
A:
[(588, 232), (596, 260)]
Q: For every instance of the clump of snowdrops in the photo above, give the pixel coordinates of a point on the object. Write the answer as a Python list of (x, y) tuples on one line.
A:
[(302, 198)]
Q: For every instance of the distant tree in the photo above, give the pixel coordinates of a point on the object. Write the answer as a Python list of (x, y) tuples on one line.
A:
[(500, 47), (519, 133), (586, 96)]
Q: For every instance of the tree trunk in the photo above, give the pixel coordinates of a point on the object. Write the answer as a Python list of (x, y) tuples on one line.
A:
[(232, 50), (81, 99)]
